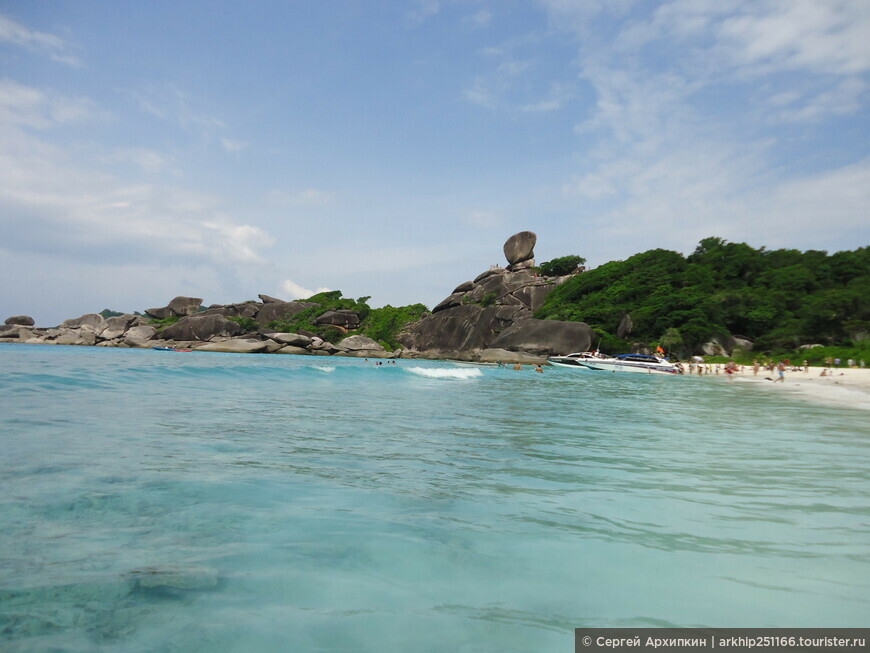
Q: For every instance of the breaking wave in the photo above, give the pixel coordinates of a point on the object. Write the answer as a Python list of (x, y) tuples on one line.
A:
[(449, 373)]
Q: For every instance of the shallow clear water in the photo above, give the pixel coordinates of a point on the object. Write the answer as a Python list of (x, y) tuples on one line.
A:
[(156, 501)]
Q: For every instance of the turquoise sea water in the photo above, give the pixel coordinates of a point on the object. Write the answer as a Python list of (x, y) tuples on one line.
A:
[(156, 501)]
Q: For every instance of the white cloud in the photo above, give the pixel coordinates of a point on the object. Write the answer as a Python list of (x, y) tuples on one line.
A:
[(25, 106), (40, 42), (295, 291), (168, 102)]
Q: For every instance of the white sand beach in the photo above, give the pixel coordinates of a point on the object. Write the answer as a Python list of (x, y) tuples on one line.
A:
[(840, 386)]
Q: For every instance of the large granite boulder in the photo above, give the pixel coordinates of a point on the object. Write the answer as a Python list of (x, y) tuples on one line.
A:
[(200, 327), (114, 327), (345, 319), (240, 346), (88, 319), (465, 327), (185, 305), (546, 337), (360, 343), (178, 307), (520, 247), (266, 299), (291, 339), (625, 326), (22, 320), (244, 309), (138, 336), (280, 311)]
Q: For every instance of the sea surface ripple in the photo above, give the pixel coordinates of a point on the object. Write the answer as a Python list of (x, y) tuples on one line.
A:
[(160, 501)]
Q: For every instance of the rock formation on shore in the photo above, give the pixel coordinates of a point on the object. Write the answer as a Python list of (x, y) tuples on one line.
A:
[(490, 318), (486, 319)]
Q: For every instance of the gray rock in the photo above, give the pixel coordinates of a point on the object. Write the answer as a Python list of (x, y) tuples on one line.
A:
[(739, 342), (625, 326), (291, 349), (200, 327), (522, 265), (237, 346), (713, 348), (454, 300), (294, 339), (22, 320), (159, 313), (178, 307), (90, 319), (520, 247), (545, 337), (464, 287), (345, 319), (269, 300), (138, 336), (182, 306), (361, 343), (489, 273), (506, 356), (10, 330), (113, 327)]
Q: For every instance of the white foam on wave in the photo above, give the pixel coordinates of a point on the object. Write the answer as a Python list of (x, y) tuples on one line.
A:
[(449, 373), (323, 368)]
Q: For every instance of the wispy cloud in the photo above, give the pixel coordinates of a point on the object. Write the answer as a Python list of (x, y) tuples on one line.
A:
[(169, 102), (43, 43), (26, 106), (294, 290)]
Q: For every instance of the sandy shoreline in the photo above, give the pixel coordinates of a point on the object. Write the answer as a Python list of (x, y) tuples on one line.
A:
[(843, 387)]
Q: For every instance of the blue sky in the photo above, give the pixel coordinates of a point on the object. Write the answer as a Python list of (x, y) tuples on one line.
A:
[(225, 149)]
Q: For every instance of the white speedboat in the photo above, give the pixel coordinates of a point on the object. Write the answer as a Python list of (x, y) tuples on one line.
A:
[(638, 363)]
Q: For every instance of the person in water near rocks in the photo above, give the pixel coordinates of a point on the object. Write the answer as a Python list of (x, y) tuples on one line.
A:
[(538, 368), (518, 366)]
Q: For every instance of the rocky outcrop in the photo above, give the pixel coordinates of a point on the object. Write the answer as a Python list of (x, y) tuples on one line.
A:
[(21, 320), (266, 299), (473, 318), (348, 320), (545, 337), (201, 327), (178, 307), (90, 319)]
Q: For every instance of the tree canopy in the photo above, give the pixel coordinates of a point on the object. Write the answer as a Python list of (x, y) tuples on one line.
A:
[(780, 299)]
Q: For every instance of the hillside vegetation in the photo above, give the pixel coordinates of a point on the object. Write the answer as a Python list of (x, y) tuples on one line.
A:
[(780, 299)]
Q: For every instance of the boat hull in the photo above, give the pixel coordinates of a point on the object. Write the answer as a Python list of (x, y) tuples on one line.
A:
[(610, 365)]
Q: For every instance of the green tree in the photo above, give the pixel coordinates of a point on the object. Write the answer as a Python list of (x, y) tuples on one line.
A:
[(561, 266)]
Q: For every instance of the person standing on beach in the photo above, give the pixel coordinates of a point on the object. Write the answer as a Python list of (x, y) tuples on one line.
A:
[(780, 370)]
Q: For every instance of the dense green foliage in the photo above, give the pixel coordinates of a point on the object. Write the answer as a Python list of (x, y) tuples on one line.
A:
[(380, 324), (561, 266), (107, 313), (780, 299)]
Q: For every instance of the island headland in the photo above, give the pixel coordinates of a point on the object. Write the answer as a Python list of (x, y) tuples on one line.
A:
[(725, 299)]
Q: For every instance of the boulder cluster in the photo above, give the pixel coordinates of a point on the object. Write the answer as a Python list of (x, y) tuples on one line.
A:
[(202, 329), (490, 318), (487, 319)]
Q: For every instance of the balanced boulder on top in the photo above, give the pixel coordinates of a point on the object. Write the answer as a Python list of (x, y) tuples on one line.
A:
[(520, 247)]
